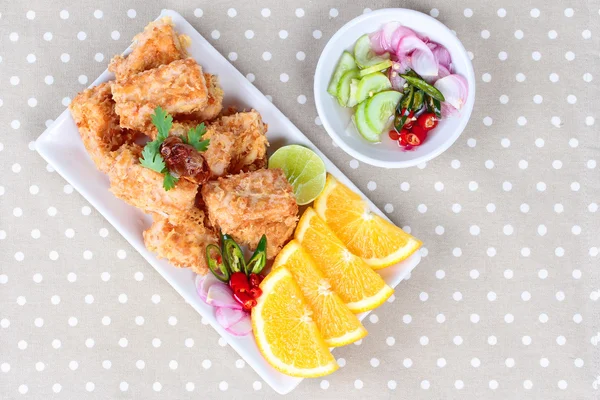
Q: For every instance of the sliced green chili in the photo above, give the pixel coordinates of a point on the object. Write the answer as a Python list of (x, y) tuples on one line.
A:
[(233, 255), (216, 264), (424, 86), (259, 259), (401, 117)]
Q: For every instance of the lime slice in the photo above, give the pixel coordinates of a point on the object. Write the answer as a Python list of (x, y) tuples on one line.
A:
[(303, 168)]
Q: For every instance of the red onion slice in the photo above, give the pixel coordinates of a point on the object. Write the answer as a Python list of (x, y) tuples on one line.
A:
[(448, 111), (423, 63), (396, 80), (442, 55), (242, 327), (400, 33), (227, 317), (378, 44), (455, 90), (421, 58), (203, 283), (220, 295)]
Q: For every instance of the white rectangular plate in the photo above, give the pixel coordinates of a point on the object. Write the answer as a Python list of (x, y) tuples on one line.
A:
[(61, 146)]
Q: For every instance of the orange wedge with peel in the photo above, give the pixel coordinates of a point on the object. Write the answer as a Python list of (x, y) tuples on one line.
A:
[(359, 287), (378, 242), (285, 333), (337, 324)]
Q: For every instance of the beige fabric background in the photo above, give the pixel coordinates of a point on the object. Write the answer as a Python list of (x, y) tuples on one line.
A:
[(504, 304)]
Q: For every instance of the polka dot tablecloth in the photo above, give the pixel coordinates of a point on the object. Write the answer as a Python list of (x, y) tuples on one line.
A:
[(505, 303)]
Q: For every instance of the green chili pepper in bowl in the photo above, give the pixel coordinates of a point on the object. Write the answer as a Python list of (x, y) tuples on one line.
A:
[(233, 254)]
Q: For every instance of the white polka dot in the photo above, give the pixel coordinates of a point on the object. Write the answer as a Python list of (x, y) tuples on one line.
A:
[(299, 12), (48, 36), (22, 345), (223, 386), (569, 12), (526, 340), (458, 384), (215, 34), (99, 57), (157, 386), (552, 34), (284, 77), (587, 77), (422, 208), (542, 274), (578, 362), (519, 34), (300, 56), (37, 278), (249, 34), (491, 296), (198, 13), (64, 14), (189, 342), (425, 384), (14, 80), (468, 12), (23, 389), (527, 384), (317, 34), (486, 77), (232, 12), (474, 318), (457, 340), (406, 318), (520, 77), (485, 34), (536, 56), (156, 342), (140, 364), (31, 58), (267, 56), (190, 386), (105, 276), (553, 77), (562, 384), (265, 12)]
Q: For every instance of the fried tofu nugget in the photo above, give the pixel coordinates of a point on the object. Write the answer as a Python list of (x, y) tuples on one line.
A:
[(248, 205), (178, 87), (215, 101), (157, 45), (94, 113), (143, 188), (181, 241)]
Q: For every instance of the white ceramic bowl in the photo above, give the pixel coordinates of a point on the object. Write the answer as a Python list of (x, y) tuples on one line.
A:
[(337, 120)]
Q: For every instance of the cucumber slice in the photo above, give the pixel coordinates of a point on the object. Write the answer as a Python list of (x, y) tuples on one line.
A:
[(343, 88), (377, 67), (371, 84), (360, 120), (380, 108), (346, 63), (353, 100), (364, 55)]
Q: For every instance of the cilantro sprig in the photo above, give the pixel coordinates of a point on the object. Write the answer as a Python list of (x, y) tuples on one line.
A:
[(151, 157)]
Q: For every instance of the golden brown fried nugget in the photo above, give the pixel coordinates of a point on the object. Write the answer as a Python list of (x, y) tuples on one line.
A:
[(158, 44), (215, 101), (238, 143), (94, 113), (248, 205), (182, 241), (178, 87), (143, 188)]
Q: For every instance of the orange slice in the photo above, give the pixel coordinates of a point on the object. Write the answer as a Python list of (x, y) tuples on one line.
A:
[(285, 333), (359, 287), (378, 242), (337, 324)]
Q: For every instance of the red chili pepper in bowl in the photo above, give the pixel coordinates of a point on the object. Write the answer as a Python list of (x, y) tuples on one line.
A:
[(255, 280), (427, 121)]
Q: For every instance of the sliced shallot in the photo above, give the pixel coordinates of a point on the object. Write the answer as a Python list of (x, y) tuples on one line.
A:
[(396, 80), (447, 110), (400, 33), (442, 55), (220, 295), (422, 59), (203, 283), (242, 327), (227, 317), (454, 88)]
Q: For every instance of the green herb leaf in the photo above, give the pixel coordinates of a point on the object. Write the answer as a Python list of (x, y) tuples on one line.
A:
[(169, 181), (195, 134), (183, 139), (152, 159), (163, 123)]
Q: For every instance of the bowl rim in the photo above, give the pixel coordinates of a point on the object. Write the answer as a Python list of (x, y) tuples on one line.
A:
[(387, 13)]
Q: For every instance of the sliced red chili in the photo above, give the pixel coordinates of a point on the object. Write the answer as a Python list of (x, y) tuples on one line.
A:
[(239, 283), (256, 292), (255, 280), (427, 121), (413, 139), (393, 134), (420, 132), (245, 299)]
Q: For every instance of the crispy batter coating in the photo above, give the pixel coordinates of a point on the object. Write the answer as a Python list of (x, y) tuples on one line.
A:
[(143, 188), (238, 143), (183, 241), (215, 101), (158, 44), (94, 113), (248, 205), (178, 87)]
